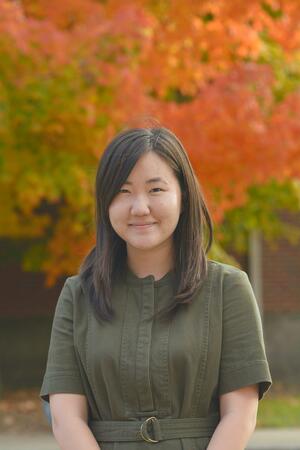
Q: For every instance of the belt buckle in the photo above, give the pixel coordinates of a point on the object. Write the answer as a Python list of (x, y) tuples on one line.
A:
[(144, 431)]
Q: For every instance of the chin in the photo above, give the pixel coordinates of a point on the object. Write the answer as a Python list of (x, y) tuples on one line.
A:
[(143, 245)]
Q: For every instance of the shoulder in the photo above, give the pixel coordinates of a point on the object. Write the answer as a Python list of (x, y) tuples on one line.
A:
[(73, 281), (74, 288), (235, 289), (229, 279), (226, 272)]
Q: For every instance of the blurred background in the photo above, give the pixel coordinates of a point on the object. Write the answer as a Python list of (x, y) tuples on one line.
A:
[(224, 76)]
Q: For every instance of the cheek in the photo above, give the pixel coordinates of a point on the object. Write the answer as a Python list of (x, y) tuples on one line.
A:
[(170, 206), (114, 213), (111, 213)]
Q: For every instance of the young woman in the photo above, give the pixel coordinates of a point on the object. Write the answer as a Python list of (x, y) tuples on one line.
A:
[(152, 342)]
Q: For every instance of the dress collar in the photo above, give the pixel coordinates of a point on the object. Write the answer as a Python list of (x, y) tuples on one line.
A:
[(133, 279)]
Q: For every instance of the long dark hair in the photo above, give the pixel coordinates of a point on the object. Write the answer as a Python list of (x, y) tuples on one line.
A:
[(192, 237)]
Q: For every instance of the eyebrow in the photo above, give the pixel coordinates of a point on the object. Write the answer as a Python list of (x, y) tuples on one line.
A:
[(152, 180)]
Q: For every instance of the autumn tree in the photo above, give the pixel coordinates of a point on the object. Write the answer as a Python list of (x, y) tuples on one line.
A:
[(223, 75)]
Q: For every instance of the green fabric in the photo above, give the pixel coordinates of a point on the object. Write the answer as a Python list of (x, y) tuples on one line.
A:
[(161, 429), (135, 367)]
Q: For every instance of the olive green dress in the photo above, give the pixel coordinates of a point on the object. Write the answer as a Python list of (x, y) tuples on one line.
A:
[(135, 367)]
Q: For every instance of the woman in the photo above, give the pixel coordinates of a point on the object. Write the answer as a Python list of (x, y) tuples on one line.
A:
[(152, 342)]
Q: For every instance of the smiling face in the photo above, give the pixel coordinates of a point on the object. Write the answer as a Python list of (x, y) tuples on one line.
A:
[(146, 210)]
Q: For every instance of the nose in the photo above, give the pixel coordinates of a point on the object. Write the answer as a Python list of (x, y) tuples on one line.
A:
[(140, 206)]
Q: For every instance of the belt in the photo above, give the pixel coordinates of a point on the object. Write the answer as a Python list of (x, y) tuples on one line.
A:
[(153, 429)]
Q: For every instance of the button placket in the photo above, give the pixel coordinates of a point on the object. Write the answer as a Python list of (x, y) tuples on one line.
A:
[(125, 360), (162, 369), (143, 381)]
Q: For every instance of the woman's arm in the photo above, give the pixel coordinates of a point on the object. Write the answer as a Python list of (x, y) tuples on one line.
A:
[(238, 411), (69, 414)]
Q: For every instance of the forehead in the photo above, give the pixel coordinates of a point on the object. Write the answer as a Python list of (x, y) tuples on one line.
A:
[(151, 165)]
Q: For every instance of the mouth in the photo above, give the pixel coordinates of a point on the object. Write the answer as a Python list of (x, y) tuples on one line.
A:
[(143, 225)]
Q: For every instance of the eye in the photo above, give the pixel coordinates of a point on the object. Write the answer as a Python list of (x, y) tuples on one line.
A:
[(158, 189), (123, 190)]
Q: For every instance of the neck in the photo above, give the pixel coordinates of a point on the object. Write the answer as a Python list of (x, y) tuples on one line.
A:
[(156, 262)]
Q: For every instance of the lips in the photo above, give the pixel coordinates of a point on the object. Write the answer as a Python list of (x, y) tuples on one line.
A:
[(141, 224)]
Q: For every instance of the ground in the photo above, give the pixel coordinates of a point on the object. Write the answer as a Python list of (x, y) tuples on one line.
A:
[(21, 411)]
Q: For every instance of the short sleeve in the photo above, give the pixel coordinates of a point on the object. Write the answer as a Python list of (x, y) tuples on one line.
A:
[(62, 373), (243, 356)]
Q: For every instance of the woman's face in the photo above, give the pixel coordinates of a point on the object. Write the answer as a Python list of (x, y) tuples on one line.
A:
[(146, 210)]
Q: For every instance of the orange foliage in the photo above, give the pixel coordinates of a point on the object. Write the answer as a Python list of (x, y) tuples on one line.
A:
[(191, 64)]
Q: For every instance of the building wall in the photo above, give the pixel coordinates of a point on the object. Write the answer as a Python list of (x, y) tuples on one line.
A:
[(23, 347), (24, 295), (281, 273), (282, 339), (281, 300), (26, 311)]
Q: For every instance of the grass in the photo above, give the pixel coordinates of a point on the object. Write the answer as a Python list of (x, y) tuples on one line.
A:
[(279, 409)]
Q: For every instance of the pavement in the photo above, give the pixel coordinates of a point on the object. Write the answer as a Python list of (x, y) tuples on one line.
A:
[(274, 439), (262, 439)]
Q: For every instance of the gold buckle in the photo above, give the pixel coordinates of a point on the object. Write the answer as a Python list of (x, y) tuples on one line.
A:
[(146, 436)]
